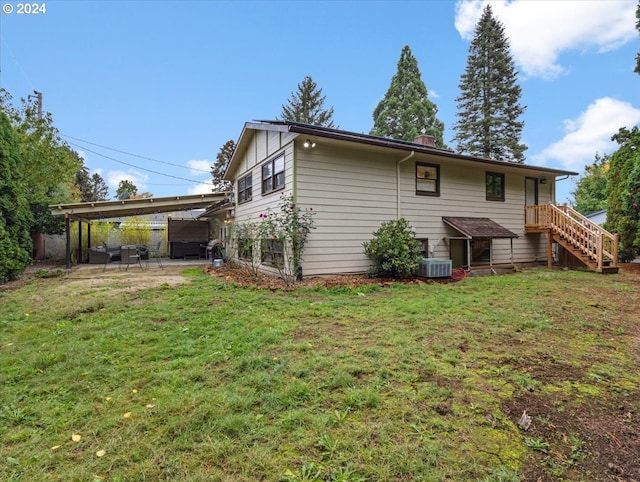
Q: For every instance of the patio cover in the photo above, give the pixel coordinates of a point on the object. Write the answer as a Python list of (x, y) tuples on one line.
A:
[(478, 228), (472, 228), (91, 211)]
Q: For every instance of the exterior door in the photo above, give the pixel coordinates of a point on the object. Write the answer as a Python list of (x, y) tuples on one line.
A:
[(531, 191), (530, 199), (458, 252)]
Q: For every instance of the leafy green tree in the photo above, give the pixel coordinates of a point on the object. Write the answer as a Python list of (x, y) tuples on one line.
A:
[(91, 187), (306, 106), (126, 190), (15, 215), (489, 102), (406, 111), (623, 203), (46, 160), (47, 164), (591, 191), (220, 166)]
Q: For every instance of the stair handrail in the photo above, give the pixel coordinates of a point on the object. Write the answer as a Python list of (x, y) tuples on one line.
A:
[(595, 241)]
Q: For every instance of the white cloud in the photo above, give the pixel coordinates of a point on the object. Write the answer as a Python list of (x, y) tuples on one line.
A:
[(199, 167), (140, 179), (540, 31), (590, 133), (202, 188)]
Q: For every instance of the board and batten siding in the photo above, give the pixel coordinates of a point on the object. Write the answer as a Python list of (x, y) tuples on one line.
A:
[(353, 192), (264, 147)]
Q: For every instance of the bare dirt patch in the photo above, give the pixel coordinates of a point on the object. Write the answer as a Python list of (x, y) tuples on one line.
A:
[(244, 277), (93, 276)]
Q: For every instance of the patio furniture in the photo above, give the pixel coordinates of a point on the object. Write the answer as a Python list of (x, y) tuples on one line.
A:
[(99, 255), (130, 255), (156, 253)]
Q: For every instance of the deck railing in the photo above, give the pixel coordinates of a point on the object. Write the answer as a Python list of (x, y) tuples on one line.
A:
[(592, 240)]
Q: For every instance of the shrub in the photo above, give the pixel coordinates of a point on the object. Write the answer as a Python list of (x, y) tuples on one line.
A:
[(15, 215), (394, 250)]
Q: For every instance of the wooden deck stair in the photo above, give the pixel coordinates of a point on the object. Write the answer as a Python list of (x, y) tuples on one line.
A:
[(578, 235)]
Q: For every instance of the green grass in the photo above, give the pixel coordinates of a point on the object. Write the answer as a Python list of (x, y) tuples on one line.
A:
[(207, 381)]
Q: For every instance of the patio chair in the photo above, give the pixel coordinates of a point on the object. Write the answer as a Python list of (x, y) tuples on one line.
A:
[(129, 255), (156, 253)]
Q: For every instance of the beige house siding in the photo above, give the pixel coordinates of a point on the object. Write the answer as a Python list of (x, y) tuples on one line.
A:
[(353, 193), (352, 189)]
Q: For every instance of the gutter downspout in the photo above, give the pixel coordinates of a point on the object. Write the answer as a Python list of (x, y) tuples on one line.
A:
[(398, 181), (553, 188)]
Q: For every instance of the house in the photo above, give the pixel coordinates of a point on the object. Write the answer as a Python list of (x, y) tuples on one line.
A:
[(598, 217), (471, 210)]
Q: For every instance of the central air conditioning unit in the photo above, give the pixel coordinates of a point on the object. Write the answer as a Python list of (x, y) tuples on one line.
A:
[(435, 268)]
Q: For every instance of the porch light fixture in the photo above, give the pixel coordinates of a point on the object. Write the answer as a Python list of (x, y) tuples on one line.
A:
[(309, 144), (543, 180)]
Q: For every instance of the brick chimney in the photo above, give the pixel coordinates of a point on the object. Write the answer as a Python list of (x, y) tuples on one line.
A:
[(425, 140)]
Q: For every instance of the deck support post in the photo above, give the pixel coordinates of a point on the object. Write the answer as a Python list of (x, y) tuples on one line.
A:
[(79, 259), (549, 249), (67, 227)]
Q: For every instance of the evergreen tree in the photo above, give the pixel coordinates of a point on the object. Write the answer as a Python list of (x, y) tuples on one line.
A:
[(406, 111), (126, 190), (91, 187), (220, 166), (489, 102), (591, 191), (623, 201), (307, 106), (15, 215), (637, 69)]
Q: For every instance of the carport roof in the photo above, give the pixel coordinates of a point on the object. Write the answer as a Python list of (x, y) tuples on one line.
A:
[(91, 211)]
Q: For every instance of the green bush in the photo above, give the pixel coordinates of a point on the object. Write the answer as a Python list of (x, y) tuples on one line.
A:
[(15, 215), (394, 250)]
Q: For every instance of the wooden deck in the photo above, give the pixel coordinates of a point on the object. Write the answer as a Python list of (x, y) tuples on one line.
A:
[(578, 235)]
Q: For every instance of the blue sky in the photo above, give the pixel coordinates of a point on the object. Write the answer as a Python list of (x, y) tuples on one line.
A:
[(150, 87)]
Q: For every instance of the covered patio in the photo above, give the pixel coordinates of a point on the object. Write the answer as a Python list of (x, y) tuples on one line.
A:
[(102, 210)]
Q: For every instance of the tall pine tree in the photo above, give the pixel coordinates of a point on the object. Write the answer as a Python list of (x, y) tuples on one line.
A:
[(489, 102), (307, 106), (90, 187), (220, 166), (406, 111), (637, 69)]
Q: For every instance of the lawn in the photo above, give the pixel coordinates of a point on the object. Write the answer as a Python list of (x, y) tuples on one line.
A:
[(206, 380)]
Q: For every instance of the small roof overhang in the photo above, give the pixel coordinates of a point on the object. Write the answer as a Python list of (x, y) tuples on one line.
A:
[(478, 227), (91, 211)]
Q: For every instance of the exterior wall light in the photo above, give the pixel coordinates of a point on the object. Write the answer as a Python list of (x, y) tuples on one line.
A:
[(309, 144), (543, 180)]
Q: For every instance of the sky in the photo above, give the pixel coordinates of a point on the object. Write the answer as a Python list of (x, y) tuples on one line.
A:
[(150, 90)]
